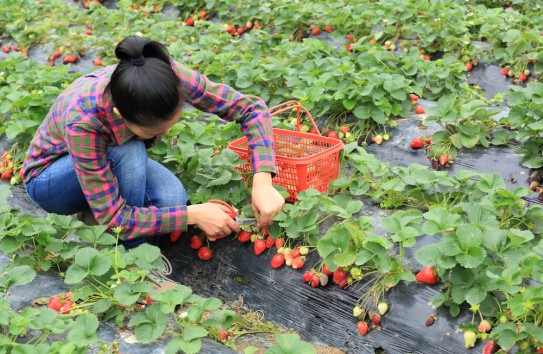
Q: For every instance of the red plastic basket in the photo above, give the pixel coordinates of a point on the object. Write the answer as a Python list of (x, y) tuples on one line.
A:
[(304, 160)]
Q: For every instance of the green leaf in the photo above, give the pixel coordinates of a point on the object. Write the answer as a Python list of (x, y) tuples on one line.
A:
[(149, 325), (346, 258), (193, 332), (471, 257), (5, 192), (290, 344), (83, 332), (20, 275)]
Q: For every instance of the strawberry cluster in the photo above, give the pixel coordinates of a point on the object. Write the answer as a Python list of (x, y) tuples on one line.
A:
[(7, 168), (62, 304), (535, 180)]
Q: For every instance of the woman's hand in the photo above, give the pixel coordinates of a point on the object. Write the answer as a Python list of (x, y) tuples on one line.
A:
[(212, 218), (267, 201)]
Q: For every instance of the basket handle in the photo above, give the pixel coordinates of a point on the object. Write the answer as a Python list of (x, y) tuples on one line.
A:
[(289, 106)]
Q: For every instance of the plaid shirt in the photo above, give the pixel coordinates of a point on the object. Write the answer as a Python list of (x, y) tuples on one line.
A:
[(81, 123)]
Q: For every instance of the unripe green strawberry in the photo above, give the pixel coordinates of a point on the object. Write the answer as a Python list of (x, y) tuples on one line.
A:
[(469, 339), (357, 311), (304, 250), (382, 307)]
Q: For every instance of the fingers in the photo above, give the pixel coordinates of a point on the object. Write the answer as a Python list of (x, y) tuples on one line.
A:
[(223, 223)]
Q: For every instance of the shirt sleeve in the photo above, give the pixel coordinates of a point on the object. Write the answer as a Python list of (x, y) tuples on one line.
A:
[(250, 111), (87, 147)]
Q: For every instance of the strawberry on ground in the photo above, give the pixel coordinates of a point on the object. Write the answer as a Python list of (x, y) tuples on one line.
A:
[(339, 275), (444, 159), (427, 275), (6, 48), (325, 270), (298, 262), (97, 62), (413, 97), (376, 319), (277, 261), (296, 252), (315, 281), (469, 66), (270, 241), (469, 339), (308, 276), (259, 246), (175, 235), (382, 307), (490, 347), (244, 236), (204, 253), (523, 77), (195, 242), (417, 143), (504, 71), (189, 22), (419, 110), (328, 29), (362, 328), (315, 31)]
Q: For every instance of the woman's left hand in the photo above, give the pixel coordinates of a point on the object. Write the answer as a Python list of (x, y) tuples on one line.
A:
[(267, 201)]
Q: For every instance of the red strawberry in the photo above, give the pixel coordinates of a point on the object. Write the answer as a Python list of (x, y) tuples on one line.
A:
[(339, 275), (16, 47), (298, 263), (362, 327), (325, 270), (413, 97), (196, 242), (429, 140), (230, 29), (332, 134), (427, 275), (532, 61), (469, 66), (259, 246), (279, 242), (349, 37), (504, 71), (244, 236), (7, 174), (264, 231), (174, 236), (308, 276), (256, 26), (270, 241), (239, 31), (223, 334), (523, 77), (189, 22), (204, 253), (344, 282), (372, 41), (419, 110), (426, 57), (148, 300), (328, 29), (417, 143), (315, 281), (57, 54), (67, 307), (69, 59), (277, 261), (345, 129), (444, 159), (55, 303), (202, 14), (6, 48), (314, 131), (315, 31), (376, 319), (350, 47), (88, 32), (97, 62), (296, 252), (490, 348)]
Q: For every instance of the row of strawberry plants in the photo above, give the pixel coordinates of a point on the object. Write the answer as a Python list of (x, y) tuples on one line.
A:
[(106, 283), (406, 24)]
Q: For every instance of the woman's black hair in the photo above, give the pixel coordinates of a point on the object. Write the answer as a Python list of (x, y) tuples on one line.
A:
[(144, 87)]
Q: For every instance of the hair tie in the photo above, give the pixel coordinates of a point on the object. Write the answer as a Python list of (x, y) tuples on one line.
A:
[(138, 61)]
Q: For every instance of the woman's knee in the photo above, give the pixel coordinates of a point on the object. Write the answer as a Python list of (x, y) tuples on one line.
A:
[(132, 153)]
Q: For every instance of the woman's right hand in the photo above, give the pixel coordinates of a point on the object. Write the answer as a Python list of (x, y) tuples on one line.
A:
[(212, 218)]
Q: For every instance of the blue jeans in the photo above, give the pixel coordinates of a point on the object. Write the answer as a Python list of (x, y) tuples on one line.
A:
[(142, 183)]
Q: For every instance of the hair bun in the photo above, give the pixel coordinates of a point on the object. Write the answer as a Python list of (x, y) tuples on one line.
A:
[(138, 61)]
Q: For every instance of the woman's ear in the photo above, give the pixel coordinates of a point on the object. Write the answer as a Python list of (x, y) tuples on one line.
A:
[(116, 112)]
